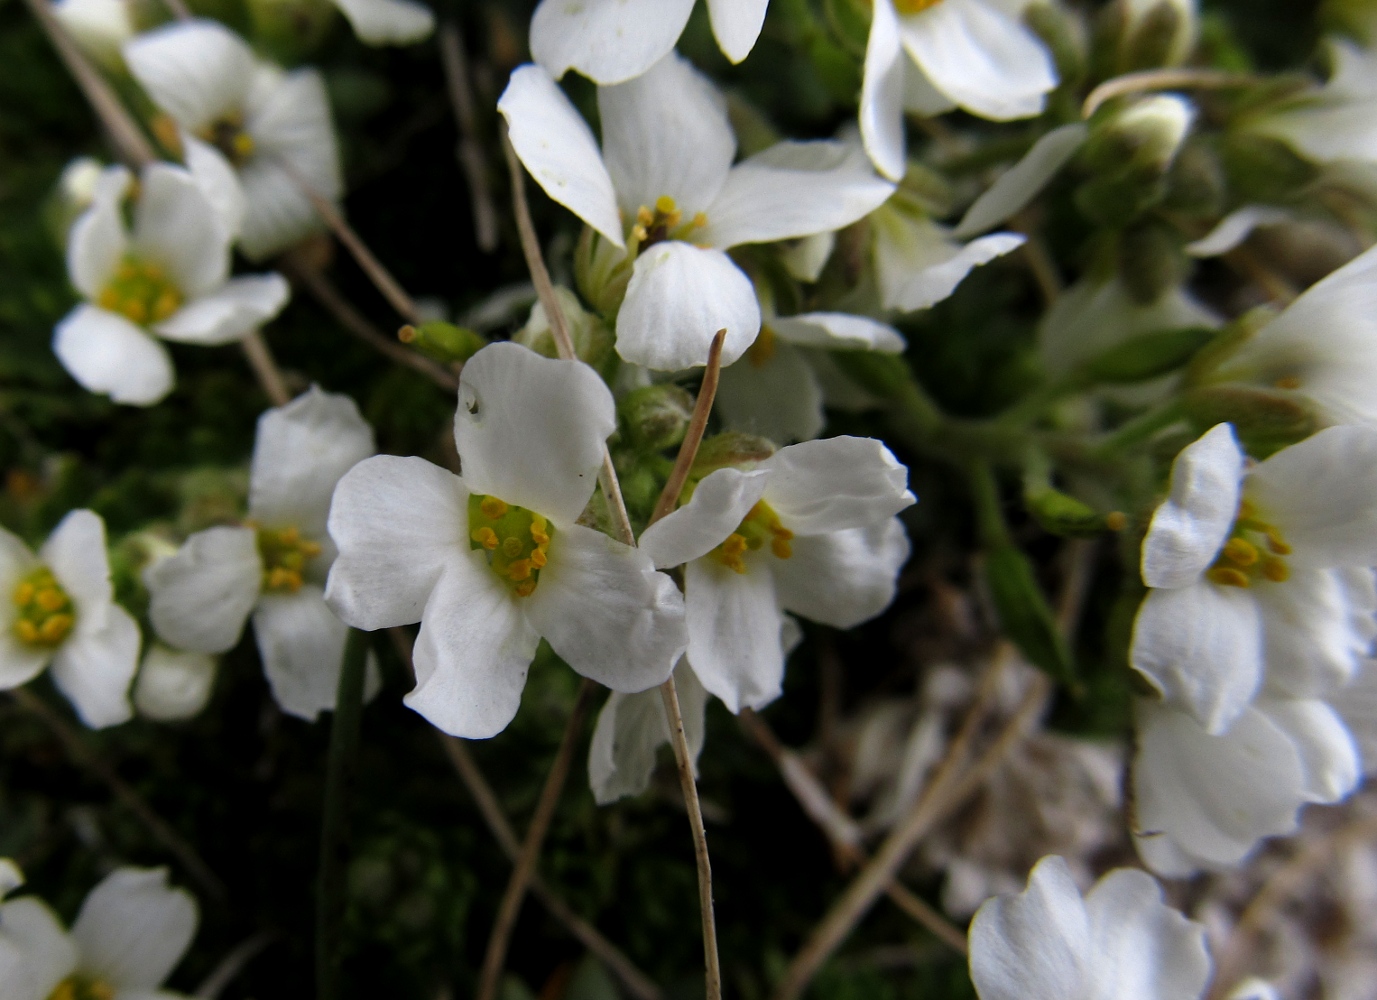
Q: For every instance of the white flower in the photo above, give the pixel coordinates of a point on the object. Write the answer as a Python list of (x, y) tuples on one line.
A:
[(664, 188), (98, 26), (388, 22), (1337, 122), (612, 41), (810, 530), (775, 390), (1235, 228), (131, 932), (274, 567), (167, 279), (1120, 942), (1260, 574), (1022, 182), (173, 684), (60, 609), (491, 561), (960, 53), (1322, 349), (251, 133)]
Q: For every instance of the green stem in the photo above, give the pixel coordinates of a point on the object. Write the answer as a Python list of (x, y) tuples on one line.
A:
[(339, 775), (1139, 429), (989, 515)]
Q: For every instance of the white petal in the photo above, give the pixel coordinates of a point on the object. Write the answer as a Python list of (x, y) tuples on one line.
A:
[(983, 60), (557, 146), (1316, 638), (133, 928), (736, 24), (1022, 182), (196, 71), (606, 611), (1358, 706), (473, 652), (843, 482), (794, 189), (734, 632), (1328, 755), (1035, 944), (49, 955), (277, 214), (175, 226), (838, 331), (98, 241), (173, 684), (388, 22), (1190, 528), (845, 577), (98, 26), (200, 598), (301, 644), (228, 313), (1140, 948), (75, 552), (778, 398), (94, 667), (1214, 797), (106, 353), (608, 41), (678, 298), (882, 93), (666, 133), (1322, 495), (218, 181), (632, 727), (301, 451), (397, 522), (531, 430), (718, 505), (1201, 646), (919, 264), (288, 116), (1236, 227), (804, 259), (11, 877)]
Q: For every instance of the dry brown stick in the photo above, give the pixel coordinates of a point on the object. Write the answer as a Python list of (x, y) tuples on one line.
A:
[(840, 829), (83, 756), (526, 861), (636, 981), (323, 290), (698, 423), (946, 793), (1163, 79), (265, 368), (470, 151), (233, 963)]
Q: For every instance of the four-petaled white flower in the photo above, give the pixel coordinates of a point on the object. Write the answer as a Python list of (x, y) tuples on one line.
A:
[(664, 189), (59, 608), (1119, 942), (971, 54), (612, 41), (388, 22), (810, 530), (492, 560), (167, 279), (131, 932), (274, 567), (252, 134)]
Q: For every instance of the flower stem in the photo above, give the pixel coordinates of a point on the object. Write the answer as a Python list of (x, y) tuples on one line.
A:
[(525, 866), (1163, 79), (698, 423), (339, 774), (1138, 430), (265, 368), (470, 151)]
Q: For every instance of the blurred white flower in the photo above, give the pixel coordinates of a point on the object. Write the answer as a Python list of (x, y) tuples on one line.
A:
[(252, 134), (1336, 122), (388, 22), (1024, 181), (810, 530), (273, 568), (168, 279), (612, 41), (61, 611), (173, 684), (100, 27), (131, 932), (1120, 941), (930, 56), (664, 188), (491, 561)]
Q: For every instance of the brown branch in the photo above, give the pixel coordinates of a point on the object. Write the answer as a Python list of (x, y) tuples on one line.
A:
[(698, 423), (1163, 79), (265, 368), (470, 151)]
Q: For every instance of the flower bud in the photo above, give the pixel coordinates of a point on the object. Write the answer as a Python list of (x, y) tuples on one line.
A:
[(99, 27), (1061, 514), (173, 684), (1023, 611), (593, 341), (1157, 33), (291, 29), (1130, 153), (1151, 261), (72, 195), (655, 417), (444, 342), (1060, 32), (1147, 356), (732, 448), (1264, 419)]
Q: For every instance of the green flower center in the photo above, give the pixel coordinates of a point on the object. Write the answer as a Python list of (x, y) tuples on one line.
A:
[(761, 525), (77, 987), (663, 222), (285, 556), (515, 540), (141, 292), (1255, 551), (228, 136), (46, 614)]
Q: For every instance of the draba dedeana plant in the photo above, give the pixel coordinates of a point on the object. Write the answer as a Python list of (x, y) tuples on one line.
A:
[(591, 499)]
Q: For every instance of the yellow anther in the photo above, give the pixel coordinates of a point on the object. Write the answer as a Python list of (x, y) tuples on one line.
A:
[(1276, 570), (511, 547), (699, 220), (519, 570), (281, 579), (644, 216), (781, 547), (1226, 576), (50, 599), (538, 532), (45, 613), (525, 588), (492, 507), (665, 205), (1240, 551), (539, 558), (26, 630), (141, 292), (485, 537), (286, 555), (759, 526), (23, 593), (243, 145), (55, 629), (1116, 520), (309, 549), (515, 541), (1289, 382), (289, 535), (638, 233), (1276, 543)]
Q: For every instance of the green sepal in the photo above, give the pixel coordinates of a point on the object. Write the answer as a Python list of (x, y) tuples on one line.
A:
[(444, 342), (1147, 356)]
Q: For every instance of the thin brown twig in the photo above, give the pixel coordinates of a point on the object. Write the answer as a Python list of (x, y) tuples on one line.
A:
[(698, 423), (234, 963), (323, 290), (496, 956), (1163, 79), (83, 756), (265, 368), (470, 150)]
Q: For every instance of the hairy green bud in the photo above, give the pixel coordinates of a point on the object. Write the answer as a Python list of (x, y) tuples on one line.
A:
[(444, 342), (655, 417), (732, 448)]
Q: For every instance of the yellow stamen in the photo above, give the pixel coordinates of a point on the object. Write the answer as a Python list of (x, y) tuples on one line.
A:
[(1240, 551), (1276, 570), (1116, 520), (1276, 543), (519, 570), (759, 526), (141, 292), (485, 537), (1252, 552), (492, 507), (1228, 577), (286, 556), (45, 614), (1289, 382), (515, 540)]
